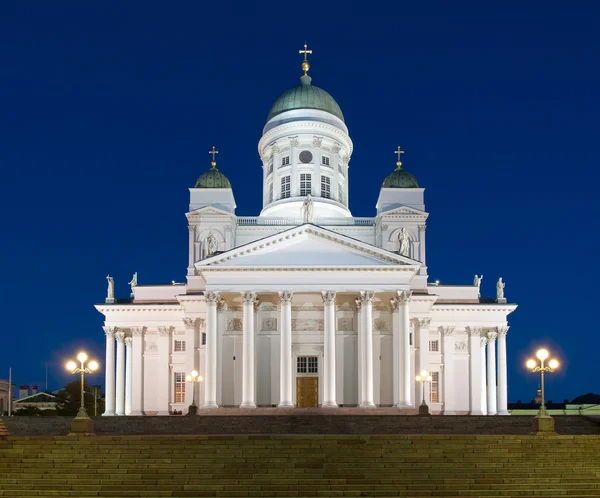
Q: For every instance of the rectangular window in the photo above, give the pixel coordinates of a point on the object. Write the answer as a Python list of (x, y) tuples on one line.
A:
[(410, 339), (307, 364), (301, 364), (204, 338), (340, 169), (270, 168), (179, 346), (285, 161), (325, 187), (434, 391), (325, 160), (179, 387), (434, 346), (305, 184), (340, 193), (313, 365), (285, 187), (270, 193)]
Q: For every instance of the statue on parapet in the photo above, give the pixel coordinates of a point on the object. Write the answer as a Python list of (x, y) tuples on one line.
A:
[(404, 242), (500, 290), (307, 209), (110, 292), (477, 283), (133, 282)]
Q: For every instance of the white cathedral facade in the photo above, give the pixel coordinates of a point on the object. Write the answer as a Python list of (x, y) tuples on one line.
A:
[(306, 305)]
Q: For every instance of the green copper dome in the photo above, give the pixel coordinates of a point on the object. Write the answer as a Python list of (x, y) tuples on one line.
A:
[(400, 178), (305, 96), (212, 178)]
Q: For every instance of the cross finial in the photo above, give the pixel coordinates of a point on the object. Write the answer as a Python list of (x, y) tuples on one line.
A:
[(213, 152), (305, 64), (398, 152)]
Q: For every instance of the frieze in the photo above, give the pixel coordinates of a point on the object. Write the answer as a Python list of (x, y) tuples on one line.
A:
[(137, 331), (269, 324), (424, 322), (164, 331), (189, 323), (446, 330), (345, 324), (151, 346), (473, 330), (307, 324), (234, 324), (379, 324), (460, 346)]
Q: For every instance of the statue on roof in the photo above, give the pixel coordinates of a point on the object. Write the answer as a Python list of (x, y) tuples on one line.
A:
[(404, 242), (212, 245), (110, 292), (500, 289), (133, 282), (477, 283), (307, 209)]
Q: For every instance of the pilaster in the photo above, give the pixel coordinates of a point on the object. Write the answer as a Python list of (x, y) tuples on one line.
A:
[(448, 376), (474, 370), (329, 384), (109, 380)]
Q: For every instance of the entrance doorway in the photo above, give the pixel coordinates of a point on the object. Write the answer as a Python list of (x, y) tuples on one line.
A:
[(307, 392)]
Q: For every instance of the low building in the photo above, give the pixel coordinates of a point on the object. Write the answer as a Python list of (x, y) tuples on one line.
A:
[(5, 393), (39, 400), (586, 404)]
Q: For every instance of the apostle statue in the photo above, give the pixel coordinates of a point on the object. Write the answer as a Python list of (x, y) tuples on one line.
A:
[(477, 283), (110, 293), (500, 289), (212, 244), (133, 282), (307, 209), (404, 242)]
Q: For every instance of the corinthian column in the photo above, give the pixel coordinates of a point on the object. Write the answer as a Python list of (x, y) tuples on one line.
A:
[(401, 355), (367, 349), (475, 371), (482, 344), (359, 346), (128, 372), (191, 248), (210, 362), (329, 397), (137, 395), (448, 350), (502, 380), (109, 380), (424, 352), (120, 405), (248, 401), (491, 373), (285, 352)]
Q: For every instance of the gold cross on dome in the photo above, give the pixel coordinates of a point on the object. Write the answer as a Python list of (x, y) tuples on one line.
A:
[(398, 152), (213, 152), (305, 52)]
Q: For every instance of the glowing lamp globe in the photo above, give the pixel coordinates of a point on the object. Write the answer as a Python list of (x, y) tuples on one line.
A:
[(542, 354), (553, 364), (71, 366), (93, 365), (188, 378), (82, 356), (531, 364), (194, 373)]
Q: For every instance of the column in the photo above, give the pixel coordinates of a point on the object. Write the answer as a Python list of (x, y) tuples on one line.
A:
[(120, 401), (248, 396), (448, 375), (137, 394), (474, 371), (191, 248), (329, 396), (422, 230), (404, 400), (295, 179), (482, 344), (210, 377), (165, 371), (128, 373), (109, 380), (491, 373), (367, 349), (396, 353), (359, 346), (502, 380), (285, 351), (423, 358), (191, 360)]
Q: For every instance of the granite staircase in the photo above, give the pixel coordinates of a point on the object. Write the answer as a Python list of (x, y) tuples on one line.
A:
[(300, 466)]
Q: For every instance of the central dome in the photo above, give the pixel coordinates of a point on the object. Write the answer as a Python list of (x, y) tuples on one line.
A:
[(305, 96)]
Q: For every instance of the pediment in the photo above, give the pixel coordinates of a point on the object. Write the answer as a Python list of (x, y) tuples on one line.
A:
[(306, 246), (405, 211), (207, 211)]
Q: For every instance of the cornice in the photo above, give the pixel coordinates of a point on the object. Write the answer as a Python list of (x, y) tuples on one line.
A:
[(470, 308), (306, 269), (139, 309)]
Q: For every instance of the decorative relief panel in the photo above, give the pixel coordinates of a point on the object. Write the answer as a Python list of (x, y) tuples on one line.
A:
[(269, 324), (345, 323), (379, 324), (234, 324), (307, 324), (151, 346), (461, 346)]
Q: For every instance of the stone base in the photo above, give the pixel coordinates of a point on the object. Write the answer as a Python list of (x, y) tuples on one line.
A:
[(192, 410), (543, 426), (82, 427), (368, 404), (285, 404), (329, 404), (424, 409), (248, 404)]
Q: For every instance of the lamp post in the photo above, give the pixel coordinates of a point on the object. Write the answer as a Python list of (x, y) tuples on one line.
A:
[(423, 378), (194, 378), (542, 422), (82, 423)]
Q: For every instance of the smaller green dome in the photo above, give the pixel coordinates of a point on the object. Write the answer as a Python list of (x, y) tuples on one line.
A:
[(212, 178), (400, 178)]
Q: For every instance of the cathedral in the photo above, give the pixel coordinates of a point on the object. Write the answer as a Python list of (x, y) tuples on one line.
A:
[(306, 305)]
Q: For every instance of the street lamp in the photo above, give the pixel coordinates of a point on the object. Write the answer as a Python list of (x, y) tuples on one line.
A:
[(543, 423), (194, 378), (82, 422), (423, 378)]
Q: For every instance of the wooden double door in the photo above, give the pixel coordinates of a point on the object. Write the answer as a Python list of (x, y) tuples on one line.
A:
[(307, 392)]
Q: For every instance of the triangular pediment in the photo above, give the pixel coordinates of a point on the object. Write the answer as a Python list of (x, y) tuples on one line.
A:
[(306, 246), (208, 211), (405, 211)]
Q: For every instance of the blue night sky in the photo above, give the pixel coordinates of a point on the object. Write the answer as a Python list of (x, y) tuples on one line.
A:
[(108, 112)]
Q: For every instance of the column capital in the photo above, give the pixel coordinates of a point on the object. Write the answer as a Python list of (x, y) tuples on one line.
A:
[(191, 228), (128, 341), (424, 322), (110, 331), (492, 336), (404, 296), (474, 331), (257, 304), (221, 306), (367, 297), (120, 336), (483, 341), (189, 323), (248, 297), (286, 297), (328, 297), (446, 330), (164, 331), (211, 297), (137, 331), (358, 304), (294, 142), (422, 228), (502, 331)]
